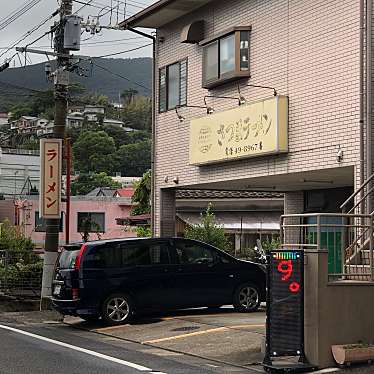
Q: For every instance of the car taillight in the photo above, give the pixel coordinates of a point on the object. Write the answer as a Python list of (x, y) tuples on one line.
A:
[(75, 293), (79, 257)]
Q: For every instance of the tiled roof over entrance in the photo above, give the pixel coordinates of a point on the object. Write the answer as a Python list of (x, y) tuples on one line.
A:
[(215, 194)]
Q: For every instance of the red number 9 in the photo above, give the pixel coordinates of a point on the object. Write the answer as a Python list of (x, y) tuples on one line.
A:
[(285, 267)]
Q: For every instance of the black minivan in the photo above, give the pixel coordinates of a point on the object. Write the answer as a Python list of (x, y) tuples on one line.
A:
[(114, 279)]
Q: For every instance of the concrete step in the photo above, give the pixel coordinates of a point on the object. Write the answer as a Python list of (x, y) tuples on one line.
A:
[(357, 272)]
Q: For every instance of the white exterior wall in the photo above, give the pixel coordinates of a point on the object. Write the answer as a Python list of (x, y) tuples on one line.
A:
[(14, 170), (307, 50)]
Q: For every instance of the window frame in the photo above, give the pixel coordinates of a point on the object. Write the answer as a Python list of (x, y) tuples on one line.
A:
[(188, 243), (235, 74), (42, 227), (165, 107), (93, 232)]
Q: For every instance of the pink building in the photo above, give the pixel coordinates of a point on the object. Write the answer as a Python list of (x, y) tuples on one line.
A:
[(101, 212)]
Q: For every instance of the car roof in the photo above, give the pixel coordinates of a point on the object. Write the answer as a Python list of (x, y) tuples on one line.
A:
[(120, 240)]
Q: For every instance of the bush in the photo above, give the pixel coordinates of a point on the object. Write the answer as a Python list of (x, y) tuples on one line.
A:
[(20, 267), (269, 245), (208, 231), (143, 232)]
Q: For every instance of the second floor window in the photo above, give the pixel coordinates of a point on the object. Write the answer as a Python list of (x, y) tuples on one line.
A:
[(173, 86), (226, 57)]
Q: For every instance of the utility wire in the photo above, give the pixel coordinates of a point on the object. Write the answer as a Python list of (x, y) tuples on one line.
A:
[(120, 76), (84, 5), (20, 87), (31, 31), (18, 13), (121, 52)]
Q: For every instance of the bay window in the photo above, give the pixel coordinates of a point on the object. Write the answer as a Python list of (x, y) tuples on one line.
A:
[(226, 57)]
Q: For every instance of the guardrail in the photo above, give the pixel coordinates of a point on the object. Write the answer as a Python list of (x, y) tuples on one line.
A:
[(15, 151), (348, 238)]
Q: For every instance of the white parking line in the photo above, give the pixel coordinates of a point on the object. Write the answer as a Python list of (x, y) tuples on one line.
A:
[(78, 349)]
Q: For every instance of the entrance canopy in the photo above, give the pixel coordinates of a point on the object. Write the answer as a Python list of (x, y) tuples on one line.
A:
[(301, 181), (235, 221)]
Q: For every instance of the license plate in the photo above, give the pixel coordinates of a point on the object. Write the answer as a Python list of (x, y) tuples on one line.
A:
[(57, 290)]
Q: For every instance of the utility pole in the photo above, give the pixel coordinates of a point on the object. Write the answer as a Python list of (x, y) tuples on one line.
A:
[(61, 95)]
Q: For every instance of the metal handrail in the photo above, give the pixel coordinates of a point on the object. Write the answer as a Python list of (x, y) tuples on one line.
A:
[(295, 215), (361, 200), (355, 230), (354, 194)]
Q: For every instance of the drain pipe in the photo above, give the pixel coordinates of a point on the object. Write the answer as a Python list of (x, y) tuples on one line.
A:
[(369, 163), (153, 151), (361, 120)]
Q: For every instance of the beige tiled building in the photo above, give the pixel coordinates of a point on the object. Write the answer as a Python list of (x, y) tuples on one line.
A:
[(307, 51)]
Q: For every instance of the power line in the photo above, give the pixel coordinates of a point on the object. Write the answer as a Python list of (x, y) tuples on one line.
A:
[(103, 42), (120, 76), (84, 5), (13, 16), (121, 52), (98, 6), (21, 87), (31, 31)]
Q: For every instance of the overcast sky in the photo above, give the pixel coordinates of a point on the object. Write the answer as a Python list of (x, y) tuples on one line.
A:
[(106, 42)]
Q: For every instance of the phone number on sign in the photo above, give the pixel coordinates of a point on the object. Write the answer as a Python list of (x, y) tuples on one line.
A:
[(245, 149)]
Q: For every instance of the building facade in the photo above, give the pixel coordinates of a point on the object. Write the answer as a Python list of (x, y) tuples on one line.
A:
[(4, 118), (101, 212), (19, 171), (246, 217), (215, 55)]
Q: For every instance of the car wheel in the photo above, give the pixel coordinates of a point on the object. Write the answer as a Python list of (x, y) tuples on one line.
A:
[(117, 309), (247, 298)]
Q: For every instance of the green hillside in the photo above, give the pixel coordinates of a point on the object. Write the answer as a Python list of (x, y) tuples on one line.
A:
[(103, 81)]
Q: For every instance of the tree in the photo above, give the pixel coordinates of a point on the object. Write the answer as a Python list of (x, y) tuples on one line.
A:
[(122, 137), (94, 151), (43, 104), (19, 110), (142, 195), (86, 183), (134, 159), (128, 95), (138, 113), (208, 230)]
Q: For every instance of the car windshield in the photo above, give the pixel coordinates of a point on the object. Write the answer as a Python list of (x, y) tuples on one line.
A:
[(67, 258)]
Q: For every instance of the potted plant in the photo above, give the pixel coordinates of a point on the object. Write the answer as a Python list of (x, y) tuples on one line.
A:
[(345, 354)]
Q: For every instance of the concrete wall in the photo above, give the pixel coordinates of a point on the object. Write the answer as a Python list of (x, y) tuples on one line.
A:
[(308, 50), (168, 213), (293, 204), (335, 313)]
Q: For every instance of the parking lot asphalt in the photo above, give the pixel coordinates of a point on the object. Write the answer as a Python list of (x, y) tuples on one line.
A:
[(221, 339), (221, 334)]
